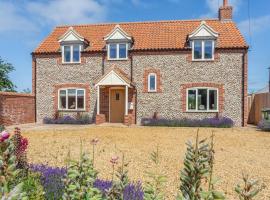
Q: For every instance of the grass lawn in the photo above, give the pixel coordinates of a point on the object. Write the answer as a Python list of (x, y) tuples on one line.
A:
[(237, 150)]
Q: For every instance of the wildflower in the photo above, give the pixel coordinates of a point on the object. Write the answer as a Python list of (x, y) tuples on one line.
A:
[(4, 135), (94, 141), (114, 160)]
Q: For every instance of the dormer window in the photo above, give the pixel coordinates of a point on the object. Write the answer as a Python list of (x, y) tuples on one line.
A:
[(71, 53), (71, 46), (203, 50), (118, 43), (117, 51), (203, 41)]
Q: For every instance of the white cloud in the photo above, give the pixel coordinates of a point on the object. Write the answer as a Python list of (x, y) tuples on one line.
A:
[(68, 11), (256, 25), (11, 19), (213, 6)]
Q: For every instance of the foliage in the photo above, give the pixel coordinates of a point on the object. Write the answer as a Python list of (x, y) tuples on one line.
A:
[(249, 189), (264, 125), (222, 122), (82, 119), (79, 180), (20, 146), (196, 168), (153, 189), (26, 91), (5, 82), (2, 128), (51, 180), (118, 186), (32, 187)]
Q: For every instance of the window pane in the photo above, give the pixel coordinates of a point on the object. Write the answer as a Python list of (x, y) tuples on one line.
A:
[(208, 53), (71, 99), (202, 99), (212, 99), (192, 100), (76, 53), (67, 54), (80, 99), (113, 48), (152, 82), (122, 51), (62, 99), (197, 49)]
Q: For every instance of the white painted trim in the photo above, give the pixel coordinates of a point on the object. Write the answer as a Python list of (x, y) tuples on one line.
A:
[(98, 100), (202, 111), (117, 28), (68, 32), (203, 51), (148, 81), (71, 53), (76, 109), (204, 26), (117, 51), (126, 100), (112, 71)]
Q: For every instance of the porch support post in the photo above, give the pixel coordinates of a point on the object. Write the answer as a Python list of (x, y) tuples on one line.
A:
[(126, 104), (98, 100)]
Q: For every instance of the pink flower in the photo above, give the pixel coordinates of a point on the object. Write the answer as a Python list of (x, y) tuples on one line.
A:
[(4, 135), (114, 160), (94, 141)]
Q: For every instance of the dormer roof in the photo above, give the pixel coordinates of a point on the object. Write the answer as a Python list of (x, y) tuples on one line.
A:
[(71, 36), (117, 34), (204, 31)]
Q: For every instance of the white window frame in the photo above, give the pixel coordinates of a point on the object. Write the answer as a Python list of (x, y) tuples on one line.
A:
[(203, 51), (148, 80), (117, 51), (207, 110), (67, 109), (71, 53)]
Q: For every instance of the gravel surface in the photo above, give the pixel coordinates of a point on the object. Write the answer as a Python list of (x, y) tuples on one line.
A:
[(237, 150)]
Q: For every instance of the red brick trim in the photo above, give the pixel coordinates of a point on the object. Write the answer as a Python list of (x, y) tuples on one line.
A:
[(72, 85), (128, 119), (184, 87), (145, 80), (100, 119)]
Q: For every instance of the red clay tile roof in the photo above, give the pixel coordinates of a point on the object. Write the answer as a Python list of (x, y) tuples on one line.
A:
[(148, 35)]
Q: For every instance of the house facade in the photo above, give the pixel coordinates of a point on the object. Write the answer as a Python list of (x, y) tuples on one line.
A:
[(122, 73)]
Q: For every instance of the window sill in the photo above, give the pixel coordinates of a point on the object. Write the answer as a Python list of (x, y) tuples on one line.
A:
[(202, 111), (152, 91), (122, 59), (81, 110), (71, 63), (212, 60)]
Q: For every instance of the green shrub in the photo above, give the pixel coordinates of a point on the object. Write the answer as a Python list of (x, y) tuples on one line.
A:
[(2, 127)]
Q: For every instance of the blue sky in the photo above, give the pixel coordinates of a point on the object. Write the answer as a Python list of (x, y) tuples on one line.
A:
[(25, 23)]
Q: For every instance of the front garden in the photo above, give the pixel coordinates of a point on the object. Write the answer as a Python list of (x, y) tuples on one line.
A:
[(136, 163)]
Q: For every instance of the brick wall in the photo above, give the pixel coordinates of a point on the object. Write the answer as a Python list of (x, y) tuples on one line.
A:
[(16, 108)]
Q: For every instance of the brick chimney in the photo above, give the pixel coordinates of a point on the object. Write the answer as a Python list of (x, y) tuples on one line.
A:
[(225, 11)]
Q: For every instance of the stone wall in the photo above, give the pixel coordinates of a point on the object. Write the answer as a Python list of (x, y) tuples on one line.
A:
[(16, 108), (175, 70)]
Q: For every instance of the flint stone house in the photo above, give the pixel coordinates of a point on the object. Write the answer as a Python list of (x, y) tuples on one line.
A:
[(121, 73)]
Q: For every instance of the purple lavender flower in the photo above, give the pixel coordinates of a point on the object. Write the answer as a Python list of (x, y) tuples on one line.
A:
[(51, 179), (133, 191), (102, 185)]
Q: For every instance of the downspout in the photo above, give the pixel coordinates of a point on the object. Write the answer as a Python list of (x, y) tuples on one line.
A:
[(34, 82)]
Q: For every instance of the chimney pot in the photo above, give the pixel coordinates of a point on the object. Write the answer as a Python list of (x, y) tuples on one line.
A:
[(225, 3)]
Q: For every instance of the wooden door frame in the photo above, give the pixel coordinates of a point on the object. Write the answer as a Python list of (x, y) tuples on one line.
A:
[(114, 88)]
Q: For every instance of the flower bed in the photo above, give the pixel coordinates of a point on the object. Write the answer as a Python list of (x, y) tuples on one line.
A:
[(67, 120), (222, 122), (264, 125)]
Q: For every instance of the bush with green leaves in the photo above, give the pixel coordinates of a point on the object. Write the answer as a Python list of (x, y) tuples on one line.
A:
[(80, 178), (249, 189), (2, 127), (154, 187), (198, 166)]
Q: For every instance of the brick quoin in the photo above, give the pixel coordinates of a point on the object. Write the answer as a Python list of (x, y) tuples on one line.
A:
[(145, 80), (16, 108), (72, 85), (186, 86)]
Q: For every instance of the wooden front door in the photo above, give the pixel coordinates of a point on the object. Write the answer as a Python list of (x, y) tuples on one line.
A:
[(117, 106)]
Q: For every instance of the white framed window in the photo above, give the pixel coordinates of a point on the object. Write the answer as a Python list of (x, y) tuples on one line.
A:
[(152, 82), (117, 51), (203, 50), (71, 53), (202, 99), (71, 99)]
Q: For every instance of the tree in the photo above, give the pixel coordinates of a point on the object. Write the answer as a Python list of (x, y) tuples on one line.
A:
[(5, 82)]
